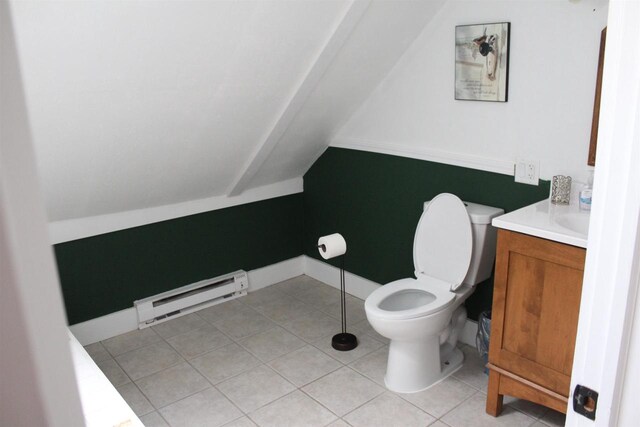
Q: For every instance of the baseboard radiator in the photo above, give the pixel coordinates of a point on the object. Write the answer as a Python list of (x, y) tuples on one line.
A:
[(187, 299)]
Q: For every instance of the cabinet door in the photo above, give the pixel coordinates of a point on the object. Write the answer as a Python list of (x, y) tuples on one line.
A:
[(537, 291)]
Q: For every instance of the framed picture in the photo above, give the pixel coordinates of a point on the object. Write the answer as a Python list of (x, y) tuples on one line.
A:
[(482, 62)]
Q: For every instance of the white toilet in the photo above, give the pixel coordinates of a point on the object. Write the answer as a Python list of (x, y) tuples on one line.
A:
[(453, 250)]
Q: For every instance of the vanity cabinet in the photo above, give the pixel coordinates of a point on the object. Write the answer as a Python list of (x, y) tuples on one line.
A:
[(536, 300)]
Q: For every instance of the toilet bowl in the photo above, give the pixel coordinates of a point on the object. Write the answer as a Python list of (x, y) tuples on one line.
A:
[(454, 249)]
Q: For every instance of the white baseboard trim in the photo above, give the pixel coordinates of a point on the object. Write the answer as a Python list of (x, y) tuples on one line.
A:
[(362, 288), (120, 322), (469, 332), (275, 273), (104, 327), (326, 273)]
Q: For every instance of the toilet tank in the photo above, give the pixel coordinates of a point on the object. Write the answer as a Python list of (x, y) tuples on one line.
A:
[(483, 253)]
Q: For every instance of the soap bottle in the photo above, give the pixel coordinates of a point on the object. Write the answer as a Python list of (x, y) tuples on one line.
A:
[(585, 194)]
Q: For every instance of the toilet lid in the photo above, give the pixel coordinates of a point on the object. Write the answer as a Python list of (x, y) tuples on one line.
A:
[(443, 242)]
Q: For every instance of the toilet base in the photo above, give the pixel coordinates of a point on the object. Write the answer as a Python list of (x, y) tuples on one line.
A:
[(407, 371)]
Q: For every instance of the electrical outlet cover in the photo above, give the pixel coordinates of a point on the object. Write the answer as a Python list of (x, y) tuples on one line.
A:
[(527, 171)]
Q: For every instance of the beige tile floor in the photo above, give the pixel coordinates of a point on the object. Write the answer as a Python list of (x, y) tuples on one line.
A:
[(266, 360)]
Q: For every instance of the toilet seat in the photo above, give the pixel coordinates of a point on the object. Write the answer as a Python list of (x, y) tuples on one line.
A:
[(443, 242), (441, 298), (441, 256)]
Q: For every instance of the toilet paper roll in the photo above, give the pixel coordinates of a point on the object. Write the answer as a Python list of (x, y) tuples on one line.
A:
[(332, 246)]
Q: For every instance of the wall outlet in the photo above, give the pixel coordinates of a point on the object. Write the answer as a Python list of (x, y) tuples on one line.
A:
[(527, 171)]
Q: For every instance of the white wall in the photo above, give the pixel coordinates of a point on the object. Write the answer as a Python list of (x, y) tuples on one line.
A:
[(552, 72)]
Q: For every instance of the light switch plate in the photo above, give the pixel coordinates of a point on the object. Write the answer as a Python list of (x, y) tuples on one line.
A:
[(527, 171)]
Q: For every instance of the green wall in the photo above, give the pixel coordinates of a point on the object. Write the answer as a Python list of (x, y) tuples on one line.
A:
[(376, 200), (106, 273)]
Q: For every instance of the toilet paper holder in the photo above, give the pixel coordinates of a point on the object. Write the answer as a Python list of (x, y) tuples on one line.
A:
[(333, 246)]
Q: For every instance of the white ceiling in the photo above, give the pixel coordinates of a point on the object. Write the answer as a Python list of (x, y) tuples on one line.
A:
[(141, 104), (376, 44)]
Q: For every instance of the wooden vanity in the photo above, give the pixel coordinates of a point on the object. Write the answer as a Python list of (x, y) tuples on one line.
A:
[(536, 300)]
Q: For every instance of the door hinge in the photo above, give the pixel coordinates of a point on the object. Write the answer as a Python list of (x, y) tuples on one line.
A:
[(585, 401)]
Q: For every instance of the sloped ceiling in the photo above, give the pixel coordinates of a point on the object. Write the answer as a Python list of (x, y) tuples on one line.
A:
[(376, 44), (141, 104)]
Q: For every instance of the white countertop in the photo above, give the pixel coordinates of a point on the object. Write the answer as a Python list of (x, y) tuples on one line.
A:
[(560, 223), (101, 403)]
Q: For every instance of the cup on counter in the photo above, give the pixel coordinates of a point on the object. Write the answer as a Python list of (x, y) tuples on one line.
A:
[(560, 190)]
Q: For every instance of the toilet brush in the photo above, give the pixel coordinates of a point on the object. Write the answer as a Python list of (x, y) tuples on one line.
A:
[(332, 246)]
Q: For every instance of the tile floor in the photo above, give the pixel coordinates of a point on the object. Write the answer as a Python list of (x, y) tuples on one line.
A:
[(265, 359)]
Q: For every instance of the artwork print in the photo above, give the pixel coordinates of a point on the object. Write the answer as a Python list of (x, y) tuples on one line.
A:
[(482, 62)]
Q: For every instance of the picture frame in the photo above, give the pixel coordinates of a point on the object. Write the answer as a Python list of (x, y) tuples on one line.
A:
[(482, 62)]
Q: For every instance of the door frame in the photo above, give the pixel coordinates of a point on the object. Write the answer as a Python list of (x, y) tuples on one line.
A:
[(613, 255), (37, 378)]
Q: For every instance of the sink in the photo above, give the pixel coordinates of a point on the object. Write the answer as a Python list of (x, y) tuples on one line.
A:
[(577, 222), (560, 223)]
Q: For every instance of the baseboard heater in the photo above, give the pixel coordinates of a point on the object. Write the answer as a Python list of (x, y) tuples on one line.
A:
[(187, 299)]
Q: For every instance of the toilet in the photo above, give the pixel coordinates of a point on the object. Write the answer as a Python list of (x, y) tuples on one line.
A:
[(453, 250)]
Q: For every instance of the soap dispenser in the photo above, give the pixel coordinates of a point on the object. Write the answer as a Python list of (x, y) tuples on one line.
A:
[(585, 194)]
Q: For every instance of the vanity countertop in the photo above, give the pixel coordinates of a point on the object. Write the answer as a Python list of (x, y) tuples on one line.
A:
[(560, 223)]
